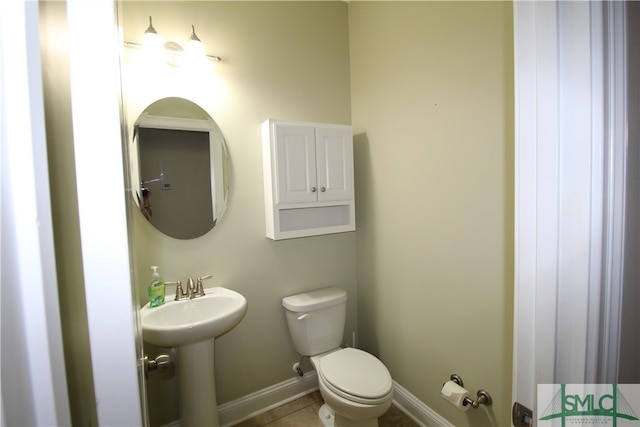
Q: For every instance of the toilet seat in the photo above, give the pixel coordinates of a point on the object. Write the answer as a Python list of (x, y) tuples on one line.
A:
[(357, 376)]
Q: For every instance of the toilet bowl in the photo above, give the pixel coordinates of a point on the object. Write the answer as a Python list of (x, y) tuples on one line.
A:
[(356, 386)]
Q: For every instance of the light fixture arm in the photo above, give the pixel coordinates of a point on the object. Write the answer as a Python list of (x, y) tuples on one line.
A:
[(133, 45), (194, 37), (152, 31)]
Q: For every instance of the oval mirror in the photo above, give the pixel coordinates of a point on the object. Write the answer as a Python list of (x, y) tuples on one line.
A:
[(180, 162)]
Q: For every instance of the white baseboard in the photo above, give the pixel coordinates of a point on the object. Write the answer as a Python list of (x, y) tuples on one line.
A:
[(254, 404), (249, 406), (416, 409)]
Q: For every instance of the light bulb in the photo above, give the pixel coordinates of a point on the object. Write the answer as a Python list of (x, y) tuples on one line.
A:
[(194, 47), (151, 41)]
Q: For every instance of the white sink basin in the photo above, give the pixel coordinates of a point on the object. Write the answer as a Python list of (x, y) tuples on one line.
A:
[(183, 322)]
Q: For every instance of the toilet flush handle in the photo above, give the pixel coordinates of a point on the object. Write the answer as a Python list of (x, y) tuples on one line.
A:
[(303, 316)]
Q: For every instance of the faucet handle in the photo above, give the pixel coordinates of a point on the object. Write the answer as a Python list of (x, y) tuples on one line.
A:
[(199, 288), (180, 293), (177, 282)]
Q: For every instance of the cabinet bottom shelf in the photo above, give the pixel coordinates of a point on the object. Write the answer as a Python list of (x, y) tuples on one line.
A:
[(301, 222)]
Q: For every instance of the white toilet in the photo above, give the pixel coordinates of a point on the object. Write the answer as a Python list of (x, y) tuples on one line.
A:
[(356, 386)]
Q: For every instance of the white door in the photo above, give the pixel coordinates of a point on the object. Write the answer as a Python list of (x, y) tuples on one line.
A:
[(334, 154), (560, 195), (295, 164)]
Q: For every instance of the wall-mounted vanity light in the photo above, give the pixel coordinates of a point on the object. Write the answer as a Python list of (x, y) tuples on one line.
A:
[(152, 43)]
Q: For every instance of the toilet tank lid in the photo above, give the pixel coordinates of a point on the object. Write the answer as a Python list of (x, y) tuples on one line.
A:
[(315, 300)]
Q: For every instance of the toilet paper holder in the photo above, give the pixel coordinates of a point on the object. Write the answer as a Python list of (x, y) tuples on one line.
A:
[(484, 398)]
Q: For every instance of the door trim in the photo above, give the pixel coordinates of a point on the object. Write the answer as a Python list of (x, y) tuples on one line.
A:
[(95, 101)]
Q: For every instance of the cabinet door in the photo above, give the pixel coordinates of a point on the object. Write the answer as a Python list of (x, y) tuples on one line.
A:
[(295, 155), (334, 154)]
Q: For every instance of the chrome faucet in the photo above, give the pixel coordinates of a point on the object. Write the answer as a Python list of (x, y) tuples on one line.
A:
[(190, 289), (193, 291)]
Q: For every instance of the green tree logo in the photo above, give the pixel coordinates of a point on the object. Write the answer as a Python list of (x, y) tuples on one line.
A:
[(590, 407)]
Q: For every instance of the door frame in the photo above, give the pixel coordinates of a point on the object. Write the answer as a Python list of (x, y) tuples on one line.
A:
[(34, 383), (114, 335)]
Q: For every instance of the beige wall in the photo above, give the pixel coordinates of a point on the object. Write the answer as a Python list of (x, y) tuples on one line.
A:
[(64, 209), (287, 60), (432, 90)]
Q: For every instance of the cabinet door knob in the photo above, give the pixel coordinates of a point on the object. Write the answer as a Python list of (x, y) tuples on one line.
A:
[(314, 189), (323, 189)]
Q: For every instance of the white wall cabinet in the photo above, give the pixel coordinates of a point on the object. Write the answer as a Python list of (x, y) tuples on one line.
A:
[(308, 178)]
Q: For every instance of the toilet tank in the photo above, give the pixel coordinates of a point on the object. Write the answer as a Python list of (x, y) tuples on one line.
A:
[(316, 320)]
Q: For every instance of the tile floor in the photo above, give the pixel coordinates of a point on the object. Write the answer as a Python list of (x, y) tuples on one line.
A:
[(303, 412)]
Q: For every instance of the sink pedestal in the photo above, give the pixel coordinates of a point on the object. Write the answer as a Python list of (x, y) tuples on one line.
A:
[(198, 405), (191, 327)]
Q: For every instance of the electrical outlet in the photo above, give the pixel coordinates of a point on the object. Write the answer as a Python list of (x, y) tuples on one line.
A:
[(521, 415)]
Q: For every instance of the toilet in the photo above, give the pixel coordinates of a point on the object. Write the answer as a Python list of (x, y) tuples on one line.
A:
[(355, 385)]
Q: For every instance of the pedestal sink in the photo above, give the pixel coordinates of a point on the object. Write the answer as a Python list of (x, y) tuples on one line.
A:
[(192, 326)]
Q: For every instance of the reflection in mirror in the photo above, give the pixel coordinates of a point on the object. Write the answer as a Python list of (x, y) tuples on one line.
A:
[(181, 163)]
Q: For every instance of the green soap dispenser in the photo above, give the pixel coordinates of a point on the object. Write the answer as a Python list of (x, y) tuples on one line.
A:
[(156, 288)]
